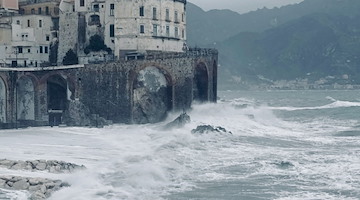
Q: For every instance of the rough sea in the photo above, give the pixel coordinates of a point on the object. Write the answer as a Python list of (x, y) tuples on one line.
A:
[(283, 145)]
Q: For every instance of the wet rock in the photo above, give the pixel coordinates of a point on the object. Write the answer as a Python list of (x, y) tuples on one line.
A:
[(284, 164), (51, 166), (41, 166), (2, 183), (207, 128), (77, 114), (38, 187), (6, 163), (37, 196), (21, 185), (179, 122)]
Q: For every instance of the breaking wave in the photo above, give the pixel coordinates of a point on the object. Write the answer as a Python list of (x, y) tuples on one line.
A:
[(265, 157)]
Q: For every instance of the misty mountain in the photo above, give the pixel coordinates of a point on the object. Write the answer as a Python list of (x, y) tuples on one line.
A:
[(217, 25), (311, 47), (310, 40)]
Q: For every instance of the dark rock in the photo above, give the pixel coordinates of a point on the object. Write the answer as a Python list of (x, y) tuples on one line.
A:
[(284, 164), (207, 128), (77, 114), (179, 122)]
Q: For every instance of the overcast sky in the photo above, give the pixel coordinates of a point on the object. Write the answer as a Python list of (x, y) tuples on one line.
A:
[(241, 6)]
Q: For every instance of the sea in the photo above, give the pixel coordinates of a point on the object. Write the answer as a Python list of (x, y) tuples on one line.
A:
[(270, 145)]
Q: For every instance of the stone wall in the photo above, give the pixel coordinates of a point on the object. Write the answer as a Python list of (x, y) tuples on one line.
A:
[(132, 91)]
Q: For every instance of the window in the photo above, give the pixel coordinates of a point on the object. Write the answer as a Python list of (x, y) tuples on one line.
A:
[(18, 22), (40, 23), (41, 49), (167, 31), (29, 50), (142, 29), (46, 49), (176, 16), (94, 20), (33, 11), (82, 3), (142, 14), (112, 7), (20, 50), (155, 30), (47, 38), (154, 13), (112, 30), (183, 17), (28, 23), (183, 33), (47, 10), (39, 11), (167, 15), (96, 8), (176, 32)]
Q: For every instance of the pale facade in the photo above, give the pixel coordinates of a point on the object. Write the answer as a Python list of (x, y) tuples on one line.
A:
[(125, 26), (150, 25), (25, 41)]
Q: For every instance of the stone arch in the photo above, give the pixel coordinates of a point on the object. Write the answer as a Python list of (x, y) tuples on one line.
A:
[(57, 97), (152, 95), (3, 101), (25, 99), (68, 78), (201, 83)]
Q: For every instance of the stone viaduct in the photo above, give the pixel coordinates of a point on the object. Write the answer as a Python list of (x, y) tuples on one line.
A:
[(139, 89)]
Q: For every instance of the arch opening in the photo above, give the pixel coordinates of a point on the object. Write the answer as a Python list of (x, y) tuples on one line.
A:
[(200, 83), (152, 95), (56, 98), (25, 99), (2, 101)]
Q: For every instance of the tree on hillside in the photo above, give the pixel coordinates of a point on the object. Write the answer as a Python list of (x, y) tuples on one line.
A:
[(70, 58)]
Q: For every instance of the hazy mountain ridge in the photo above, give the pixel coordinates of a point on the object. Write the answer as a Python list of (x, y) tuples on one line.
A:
[(320, 39), (217, 25)]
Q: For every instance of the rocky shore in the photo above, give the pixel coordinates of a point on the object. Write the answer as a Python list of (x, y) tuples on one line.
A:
[(51, 166), (39, 188)]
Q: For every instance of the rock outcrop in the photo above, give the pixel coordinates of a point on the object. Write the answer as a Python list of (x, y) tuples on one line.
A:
[(78, 114), (179, 122), (39, 188), (51, 166), (207, 128)]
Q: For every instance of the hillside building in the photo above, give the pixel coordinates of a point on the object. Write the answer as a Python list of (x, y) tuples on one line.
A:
[(128, 62), (25, 40)]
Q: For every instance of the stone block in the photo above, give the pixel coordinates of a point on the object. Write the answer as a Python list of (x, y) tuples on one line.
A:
[(37, 196), (41, 166), (21, 185), (2, 183)]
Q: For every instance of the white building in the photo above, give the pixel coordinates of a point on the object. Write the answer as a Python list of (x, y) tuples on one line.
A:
[(150, 25), (25, 40), (125, 26)]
